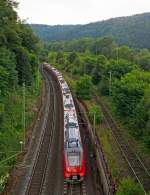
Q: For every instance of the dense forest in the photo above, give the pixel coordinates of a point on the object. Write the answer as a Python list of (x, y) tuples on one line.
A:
[(130, 77), (19, 59), (133, 31)]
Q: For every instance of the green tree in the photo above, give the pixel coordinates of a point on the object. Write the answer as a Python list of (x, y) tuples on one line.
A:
[(7, 60), (83, 87), (34, 61), (97, 74), (60, 58), (43, 56), (124, 52), (19, 54), (129, 187), (103, 46), (23, 66), (95, 113), (103, 86), (120, 68), (4, 80), (128, 91), (12, 37), (72, 57), (101, 59), (88, 65), (28, 39), (51, 57), (142, 117), (143, 59)]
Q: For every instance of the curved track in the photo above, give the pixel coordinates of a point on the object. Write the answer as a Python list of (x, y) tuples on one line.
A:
[(137, 169), (43, 166), (40, 164), (54, 173)]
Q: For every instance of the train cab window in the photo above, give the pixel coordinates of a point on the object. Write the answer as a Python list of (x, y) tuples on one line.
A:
[(74, 159)]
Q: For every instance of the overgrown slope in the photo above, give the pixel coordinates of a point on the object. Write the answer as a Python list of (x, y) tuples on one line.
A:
[(19, 58)]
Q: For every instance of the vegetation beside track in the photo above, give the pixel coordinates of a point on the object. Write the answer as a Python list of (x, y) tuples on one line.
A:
[(12, 126), (107, 75), (109, 146), (19, 84), (105, 138), (117, 71)]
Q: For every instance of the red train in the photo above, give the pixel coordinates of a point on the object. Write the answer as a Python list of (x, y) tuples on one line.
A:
[(74, 157), (74, 165)]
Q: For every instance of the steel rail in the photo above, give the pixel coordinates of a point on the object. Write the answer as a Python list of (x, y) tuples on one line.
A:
[(75, 189), (135, 163), (39, 168)]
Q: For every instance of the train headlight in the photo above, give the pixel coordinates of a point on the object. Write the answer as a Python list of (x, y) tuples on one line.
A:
[(68, 169)]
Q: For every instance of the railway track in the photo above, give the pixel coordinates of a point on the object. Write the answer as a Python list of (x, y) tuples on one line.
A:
[(54, 173), (75, 189), (136, 166), (39, 168), (42, 171)]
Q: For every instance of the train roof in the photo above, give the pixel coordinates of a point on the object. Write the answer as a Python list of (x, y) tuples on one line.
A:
[(72, 137), (68, 103), (74, 133)]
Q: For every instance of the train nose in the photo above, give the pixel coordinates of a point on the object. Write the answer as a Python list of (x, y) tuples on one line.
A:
[(72, 169)]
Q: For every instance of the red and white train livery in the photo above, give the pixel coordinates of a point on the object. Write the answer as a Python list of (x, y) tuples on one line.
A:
[(74, 157)]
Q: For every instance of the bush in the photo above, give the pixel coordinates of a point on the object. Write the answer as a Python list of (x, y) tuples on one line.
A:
[(95, 110), (83, 87), (129, 187), (3, 181), (103, 87)]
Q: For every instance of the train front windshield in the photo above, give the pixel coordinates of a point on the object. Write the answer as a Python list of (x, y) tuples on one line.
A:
[(74, 159)]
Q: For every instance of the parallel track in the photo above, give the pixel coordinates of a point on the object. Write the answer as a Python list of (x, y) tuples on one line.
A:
[(75, 189), (136, 166), (39, 169), (54, 174)]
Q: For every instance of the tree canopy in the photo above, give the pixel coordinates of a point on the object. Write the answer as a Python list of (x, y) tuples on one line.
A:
[(133, 31), (19, 60)]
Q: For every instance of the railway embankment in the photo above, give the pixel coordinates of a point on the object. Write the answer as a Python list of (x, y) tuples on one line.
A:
[(131, 162), (33, 105), (103, 178)]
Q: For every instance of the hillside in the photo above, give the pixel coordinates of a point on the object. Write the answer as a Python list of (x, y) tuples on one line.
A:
[(19, 59), (132, 30)]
